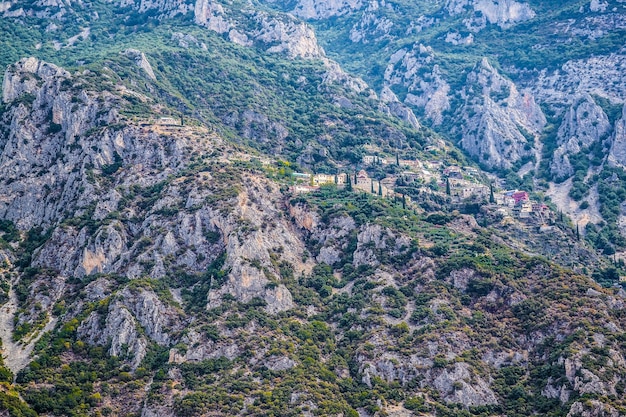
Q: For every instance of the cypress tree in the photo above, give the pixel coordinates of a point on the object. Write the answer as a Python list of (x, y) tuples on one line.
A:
[(492, 198), (348, 183), (380, 189), (403, 201), (372, 186), (448, 186)]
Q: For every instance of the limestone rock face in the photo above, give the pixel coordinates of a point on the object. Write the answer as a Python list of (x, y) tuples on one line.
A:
[(456, 386), (279, 34), (584, 124), (617, 156), (322, 9), (291, 37), (396, 108), (141, 61), (592, 408), (211, 14), (499, 123), (249, 252), (427, 89), (503, 13), (120, 330)]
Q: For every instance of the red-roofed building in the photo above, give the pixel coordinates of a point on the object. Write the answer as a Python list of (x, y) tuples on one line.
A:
[(362, 178), (520, 196)]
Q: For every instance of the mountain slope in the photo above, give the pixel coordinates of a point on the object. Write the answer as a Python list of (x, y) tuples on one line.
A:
[(523, 87), (183, 282), (161, 264)]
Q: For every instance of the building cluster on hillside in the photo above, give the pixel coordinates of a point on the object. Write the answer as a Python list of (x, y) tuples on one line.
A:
[(306, 183), (462, 184), (518, 204)]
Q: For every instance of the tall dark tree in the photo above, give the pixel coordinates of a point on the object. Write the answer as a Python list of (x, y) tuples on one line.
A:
[(448, 186)]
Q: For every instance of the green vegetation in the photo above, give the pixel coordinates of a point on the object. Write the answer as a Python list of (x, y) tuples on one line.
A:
[(414, 291)]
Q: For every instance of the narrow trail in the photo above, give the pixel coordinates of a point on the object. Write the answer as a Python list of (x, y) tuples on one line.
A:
[(16, 355)]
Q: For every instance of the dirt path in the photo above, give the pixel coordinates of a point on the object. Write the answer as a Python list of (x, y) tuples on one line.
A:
[(16, 355)]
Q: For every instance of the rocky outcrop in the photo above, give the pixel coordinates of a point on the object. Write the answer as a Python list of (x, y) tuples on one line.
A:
[(141, 61), (457, 385), (584, 124), (211, 15), (252, 274), (288, 36), (504, 13), (617, 155), (499, 123), (426, 88), (120, 330), (583, 76), (396, 108), (323, 9), (276, 33), (373, 25), (592, 408)]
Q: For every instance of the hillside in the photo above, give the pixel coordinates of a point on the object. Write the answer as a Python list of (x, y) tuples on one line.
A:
[(189, 227), (527, 88)]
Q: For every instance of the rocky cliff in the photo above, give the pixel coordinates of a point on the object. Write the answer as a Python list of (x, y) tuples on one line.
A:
[(169, 251)]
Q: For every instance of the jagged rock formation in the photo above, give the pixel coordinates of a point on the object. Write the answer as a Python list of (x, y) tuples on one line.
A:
[(499, 123), (502, 13), (313, 9)]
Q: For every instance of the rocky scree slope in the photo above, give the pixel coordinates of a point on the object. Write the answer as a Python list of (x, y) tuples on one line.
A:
[(183, 281)]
